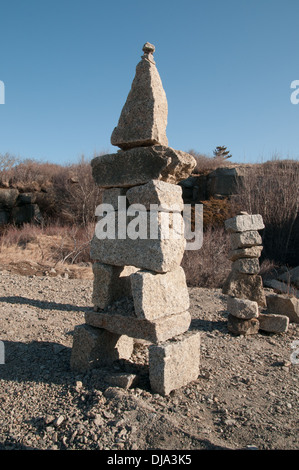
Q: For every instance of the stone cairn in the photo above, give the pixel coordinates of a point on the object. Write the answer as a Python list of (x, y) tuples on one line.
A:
[(244, 285), (139, 289)]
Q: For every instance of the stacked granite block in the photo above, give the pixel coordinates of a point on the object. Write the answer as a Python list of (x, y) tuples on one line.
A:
[(244, 285), (140, 289)]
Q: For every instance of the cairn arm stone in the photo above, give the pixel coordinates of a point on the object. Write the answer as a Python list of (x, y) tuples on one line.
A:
[(140, 165)]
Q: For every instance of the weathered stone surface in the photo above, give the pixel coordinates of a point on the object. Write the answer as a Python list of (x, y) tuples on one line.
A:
[(95, 347), (242, 223), (283, 305), (167, 196), (242, 308), (159, 253), (292, 276), (252, 252), (239, 326), (225, 181), (175, 363), (122, 380), (273, 323), (246, 265), (157, 295), (111, 195), (245, 286), (126, 323), (143, 119), (110, 283), (245, 239), (140, 165)]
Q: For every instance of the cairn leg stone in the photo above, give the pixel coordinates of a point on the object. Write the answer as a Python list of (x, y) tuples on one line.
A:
[(174, 363), (110, 283), (95, 347)]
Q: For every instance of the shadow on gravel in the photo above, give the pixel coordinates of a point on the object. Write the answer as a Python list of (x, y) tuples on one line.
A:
[(35, 361), (43, 304), (49, 362)]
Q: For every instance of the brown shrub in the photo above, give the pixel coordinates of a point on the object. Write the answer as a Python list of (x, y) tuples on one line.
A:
[(206, 164), (272, 190), (209, 266)]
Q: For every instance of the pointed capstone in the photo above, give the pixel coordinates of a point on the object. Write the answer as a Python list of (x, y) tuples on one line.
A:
[(143, 119)]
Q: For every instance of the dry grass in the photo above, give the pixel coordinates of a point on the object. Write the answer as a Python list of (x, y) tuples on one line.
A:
[(54, 248), (209, 266), (272, 190), (205, 164)]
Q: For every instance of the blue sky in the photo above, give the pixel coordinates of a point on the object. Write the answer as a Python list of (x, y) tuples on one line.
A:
[(226, 67)]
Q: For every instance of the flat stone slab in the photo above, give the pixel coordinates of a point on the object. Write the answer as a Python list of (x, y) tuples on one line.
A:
[(245, 239), (283, 304), (124, 322), (242, 308), (174, 363), (242, 223), (251, 252), (140, 165), (143, 119), (167, 196), (94, 347), (273, 323), (158, 295)]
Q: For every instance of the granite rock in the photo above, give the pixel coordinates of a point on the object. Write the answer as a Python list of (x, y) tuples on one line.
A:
[(126, 323), (273, 323), (157, 295), (242, 308), (246, 265), (283, 304), (175, 363), (245, 239), (167, 196), (250, 252), (244, 222), (143, 119), (245, 286), (140, 165), (95, 347), (240, 326), (150, 241)]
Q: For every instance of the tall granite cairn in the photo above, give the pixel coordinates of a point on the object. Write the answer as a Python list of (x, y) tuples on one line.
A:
[(244, 285), (140, 289)]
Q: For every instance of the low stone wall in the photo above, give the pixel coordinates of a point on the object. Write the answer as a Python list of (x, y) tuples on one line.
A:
[(18, 208)]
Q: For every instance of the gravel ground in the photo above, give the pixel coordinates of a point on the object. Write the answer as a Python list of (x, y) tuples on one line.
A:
[(246, 396)]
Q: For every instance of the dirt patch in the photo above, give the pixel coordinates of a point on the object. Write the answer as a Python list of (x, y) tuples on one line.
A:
[(246, 394)]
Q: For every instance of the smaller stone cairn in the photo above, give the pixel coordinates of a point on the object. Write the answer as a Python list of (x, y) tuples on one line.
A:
[(140, 289), (244, 285)]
